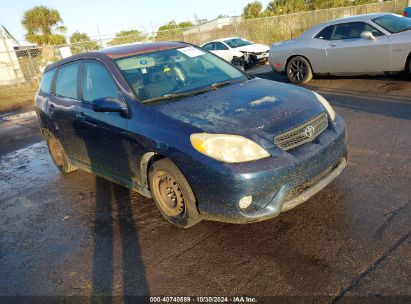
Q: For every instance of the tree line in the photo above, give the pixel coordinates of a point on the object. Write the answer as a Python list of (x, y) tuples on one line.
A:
[(44, 26), (255, 9)]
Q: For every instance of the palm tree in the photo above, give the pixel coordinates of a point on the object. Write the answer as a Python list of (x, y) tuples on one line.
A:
[(41, 24), (252, 10), (129, 36), (81, 42)]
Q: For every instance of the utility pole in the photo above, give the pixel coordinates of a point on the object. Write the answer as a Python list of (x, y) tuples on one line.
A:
[(99, 37), (198, 28), (153, 34)]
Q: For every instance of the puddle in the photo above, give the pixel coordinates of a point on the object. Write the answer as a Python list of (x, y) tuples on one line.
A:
[(18, 116), (25, 168)]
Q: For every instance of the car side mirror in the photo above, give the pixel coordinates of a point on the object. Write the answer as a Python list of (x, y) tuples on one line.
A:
[(367, 35), (109, 104)]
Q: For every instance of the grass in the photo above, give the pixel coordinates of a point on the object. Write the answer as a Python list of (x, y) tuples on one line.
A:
[(19, 97)]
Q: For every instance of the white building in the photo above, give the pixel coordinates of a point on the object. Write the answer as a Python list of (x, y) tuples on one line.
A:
[(212, 25), (10, 70)]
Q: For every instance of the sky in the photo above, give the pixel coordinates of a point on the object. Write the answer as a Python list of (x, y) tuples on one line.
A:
[(109, 17)]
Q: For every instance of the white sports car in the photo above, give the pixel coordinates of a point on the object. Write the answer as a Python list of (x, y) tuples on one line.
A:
[(368, 44), (238, 51)]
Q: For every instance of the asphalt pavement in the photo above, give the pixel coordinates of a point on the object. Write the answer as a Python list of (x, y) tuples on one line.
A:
[(80, 235)]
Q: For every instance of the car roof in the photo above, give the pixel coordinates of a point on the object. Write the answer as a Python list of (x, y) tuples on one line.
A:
[(139, 48), (121, 51), (364, 17)]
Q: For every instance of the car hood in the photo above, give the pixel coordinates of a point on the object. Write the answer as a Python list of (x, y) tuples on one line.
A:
[(257, 48), (258, 109)]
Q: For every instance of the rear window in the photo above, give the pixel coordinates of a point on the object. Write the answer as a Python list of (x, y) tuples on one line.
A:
[(66, 83), (46, 81), (394, 23)]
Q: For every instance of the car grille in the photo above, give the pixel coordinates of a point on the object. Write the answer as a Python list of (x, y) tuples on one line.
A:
[(301, 188), (302, 134)]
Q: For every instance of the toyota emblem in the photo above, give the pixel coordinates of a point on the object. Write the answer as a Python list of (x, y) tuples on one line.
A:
[(309, 131)]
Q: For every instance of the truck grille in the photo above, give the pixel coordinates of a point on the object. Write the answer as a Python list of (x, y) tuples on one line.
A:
[(302, 134)]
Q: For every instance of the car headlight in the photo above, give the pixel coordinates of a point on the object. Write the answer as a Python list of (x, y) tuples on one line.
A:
[(326, 105), (227, 148)]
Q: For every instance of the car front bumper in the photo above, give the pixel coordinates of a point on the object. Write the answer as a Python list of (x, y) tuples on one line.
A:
[(253, 58), (262, 56), (277, 184)]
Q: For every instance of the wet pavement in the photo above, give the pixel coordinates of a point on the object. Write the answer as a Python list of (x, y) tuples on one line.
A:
[(78, 234), (18, 130)]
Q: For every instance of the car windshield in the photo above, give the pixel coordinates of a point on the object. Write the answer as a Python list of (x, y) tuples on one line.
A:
[(237, 42), (167, 74), (394, 23)]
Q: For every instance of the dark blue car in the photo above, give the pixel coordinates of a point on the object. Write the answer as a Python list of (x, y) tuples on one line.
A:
[(407, 12), (178, 124)]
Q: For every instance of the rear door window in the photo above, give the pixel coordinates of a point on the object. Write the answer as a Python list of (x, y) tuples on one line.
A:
[(66, 82), (219, 46), (97, 82), (46, 81), (208, 46)]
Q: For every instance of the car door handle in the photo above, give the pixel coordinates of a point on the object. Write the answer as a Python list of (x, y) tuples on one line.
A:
[(333, 45)]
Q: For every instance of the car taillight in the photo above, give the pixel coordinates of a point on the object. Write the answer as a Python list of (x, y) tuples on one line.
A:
[(405, 14)]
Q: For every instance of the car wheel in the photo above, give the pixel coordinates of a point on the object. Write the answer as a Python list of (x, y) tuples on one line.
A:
[(58, 155), (172, 194), (299, 70)]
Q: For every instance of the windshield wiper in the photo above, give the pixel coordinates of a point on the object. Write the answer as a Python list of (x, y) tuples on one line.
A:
[(224, 83), (212, 87), (178, 95)]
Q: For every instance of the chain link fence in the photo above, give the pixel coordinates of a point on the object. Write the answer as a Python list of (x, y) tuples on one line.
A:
[(21, 68)]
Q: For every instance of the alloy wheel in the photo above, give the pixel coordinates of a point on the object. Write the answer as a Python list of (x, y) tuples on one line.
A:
[(297, 70)]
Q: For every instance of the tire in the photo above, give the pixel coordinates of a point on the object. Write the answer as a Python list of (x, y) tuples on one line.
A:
[(299, 70), (58, 155), (408, 66), (172, 194)]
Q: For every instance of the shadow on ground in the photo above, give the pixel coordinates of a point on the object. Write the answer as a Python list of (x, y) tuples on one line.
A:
[(114, 219)]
